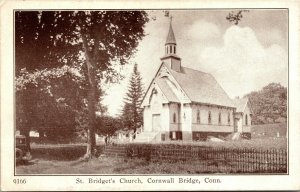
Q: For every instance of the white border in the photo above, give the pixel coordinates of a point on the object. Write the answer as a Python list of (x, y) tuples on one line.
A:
[(245, 182)]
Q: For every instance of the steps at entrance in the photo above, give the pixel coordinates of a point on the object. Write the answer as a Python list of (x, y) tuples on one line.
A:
[(145, 137), (236, 136)]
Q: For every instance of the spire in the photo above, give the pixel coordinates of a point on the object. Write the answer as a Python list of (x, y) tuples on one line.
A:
[(171, 58), (171, 37)]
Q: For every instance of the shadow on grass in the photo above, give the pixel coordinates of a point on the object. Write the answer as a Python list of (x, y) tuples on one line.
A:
[(70, 153), (25, 163)]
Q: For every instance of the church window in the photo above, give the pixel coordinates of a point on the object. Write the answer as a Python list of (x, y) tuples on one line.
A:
[(209, 117), (174, 50), (174, 117), (198, 116), (228, 118), (220, 118), (246, 119), (171, 49), (167, 50), (173, 135)]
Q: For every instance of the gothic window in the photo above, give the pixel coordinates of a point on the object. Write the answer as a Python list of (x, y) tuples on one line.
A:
[(174, 117), (171, 49), (198, 116), (228, 118), (209, 117), (154, 92), (246, 119), (220, 119)]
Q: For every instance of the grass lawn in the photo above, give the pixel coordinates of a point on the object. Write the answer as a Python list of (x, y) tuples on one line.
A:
[(63, 159), (109, 165)]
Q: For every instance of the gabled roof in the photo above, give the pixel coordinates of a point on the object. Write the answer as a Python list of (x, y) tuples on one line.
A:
[(166, 89), (240, 104), (201, 87), (171, 37)]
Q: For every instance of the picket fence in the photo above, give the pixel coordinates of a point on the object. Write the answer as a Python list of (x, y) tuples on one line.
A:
[(211, 159)]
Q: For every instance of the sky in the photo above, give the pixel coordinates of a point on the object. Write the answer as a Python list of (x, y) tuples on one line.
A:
[(242, 58)]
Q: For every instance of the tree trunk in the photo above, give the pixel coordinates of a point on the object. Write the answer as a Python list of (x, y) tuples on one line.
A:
[(91, 98), (25, 132), (134, 132)]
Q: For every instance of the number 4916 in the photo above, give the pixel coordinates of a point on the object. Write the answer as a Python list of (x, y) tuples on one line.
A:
[(19, 181)]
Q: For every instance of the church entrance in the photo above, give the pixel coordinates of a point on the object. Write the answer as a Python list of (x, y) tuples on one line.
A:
[(156, 122)]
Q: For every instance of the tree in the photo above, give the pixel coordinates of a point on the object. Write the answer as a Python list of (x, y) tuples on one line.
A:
[(132, 112), (107, 125), (45, 105), (269, 105), (235, 16), (94, 41)]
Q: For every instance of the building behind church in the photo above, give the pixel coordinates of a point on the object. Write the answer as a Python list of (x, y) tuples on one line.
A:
[(185, 104)]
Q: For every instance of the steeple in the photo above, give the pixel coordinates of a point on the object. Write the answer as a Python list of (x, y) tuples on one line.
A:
[(170, 57), (171, 37)]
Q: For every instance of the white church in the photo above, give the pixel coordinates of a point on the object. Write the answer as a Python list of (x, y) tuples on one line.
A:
[(185, 104)]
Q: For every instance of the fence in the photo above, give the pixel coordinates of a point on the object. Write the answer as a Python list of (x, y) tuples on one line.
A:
[(216, 159)]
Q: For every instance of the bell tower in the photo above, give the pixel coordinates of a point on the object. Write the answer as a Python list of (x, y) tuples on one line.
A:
[(171, 57)]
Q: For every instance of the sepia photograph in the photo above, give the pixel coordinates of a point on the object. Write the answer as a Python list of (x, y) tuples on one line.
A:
[(205, 91), (149, 98)]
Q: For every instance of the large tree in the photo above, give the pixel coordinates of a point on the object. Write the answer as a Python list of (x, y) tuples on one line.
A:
[(44, 104), (94, 41), (132, 112), (269, 105)]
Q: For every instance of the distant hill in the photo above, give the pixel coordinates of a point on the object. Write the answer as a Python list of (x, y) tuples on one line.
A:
[(269, 105)]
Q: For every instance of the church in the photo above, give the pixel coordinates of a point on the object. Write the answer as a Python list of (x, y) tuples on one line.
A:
[(185, 104)]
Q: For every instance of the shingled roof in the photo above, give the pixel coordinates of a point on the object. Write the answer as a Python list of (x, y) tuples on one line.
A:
[(166, 89), (201, 87), (240, 104)]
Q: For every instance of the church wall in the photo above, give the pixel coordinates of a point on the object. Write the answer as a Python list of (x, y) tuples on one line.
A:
[(157, 106), (174, 121), (165, 121), (239, 122), (204, 126), (147, 119), (186, 122), (247, 128)]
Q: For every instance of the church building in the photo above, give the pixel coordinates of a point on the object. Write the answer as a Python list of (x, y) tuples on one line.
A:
[(185, 104)]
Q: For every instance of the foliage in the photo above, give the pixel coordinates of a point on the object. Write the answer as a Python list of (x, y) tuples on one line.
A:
[(107, 125), (45, 105), (235, 16), (269, 105), (132, 112), (94, 41)]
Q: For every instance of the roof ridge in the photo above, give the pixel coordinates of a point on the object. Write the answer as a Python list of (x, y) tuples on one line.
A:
[(196, 70)]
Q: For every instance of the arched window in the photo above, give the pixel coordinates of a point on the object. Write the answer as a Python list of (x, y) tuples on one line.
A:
[(198, 116), (209, 117), (171, 49), (220, 118), (174, 117), (167, 49), (228, 118), (246, 119), (174, 50)]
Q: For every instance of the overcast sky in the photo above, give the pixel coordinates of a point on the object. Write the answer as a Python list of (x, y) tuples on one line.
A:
[(242, 58)]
